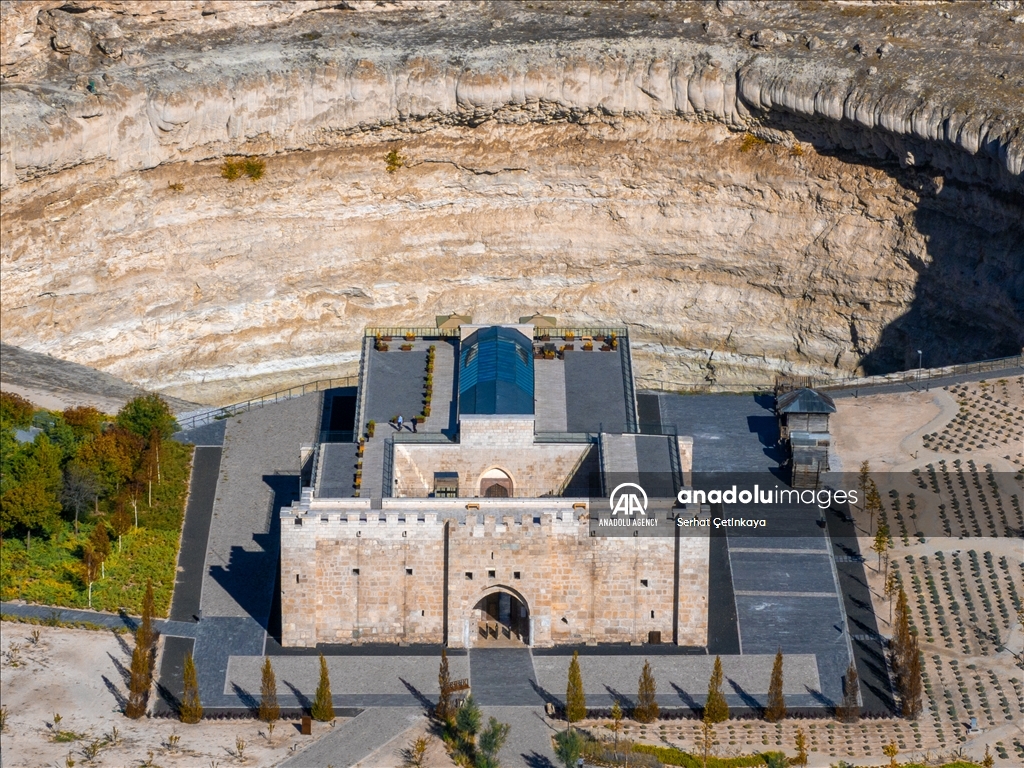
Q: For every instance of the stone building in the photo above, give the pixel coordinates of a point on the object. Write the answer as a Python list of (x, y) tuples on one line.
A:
[(479, 527)]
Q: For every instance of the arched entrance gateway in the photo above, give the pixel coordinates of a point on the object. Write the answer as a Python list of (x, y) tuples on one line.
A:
[(495, 483), (503, 618)]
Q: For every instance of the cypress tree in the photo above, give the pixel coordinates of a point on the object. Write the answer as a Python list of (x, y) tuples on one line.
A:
[(849, 710), (776, 710), (138, 683), (443, 710), (270, 711), (191, 710), (716, 710), (575, 702), (646, 710), (141, 674), (901, 636), (323, 704), (909, 681)]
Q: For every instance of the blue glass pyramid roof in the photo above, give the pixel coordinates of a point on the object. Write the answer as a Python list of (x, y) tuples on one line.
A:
[(496, 373)]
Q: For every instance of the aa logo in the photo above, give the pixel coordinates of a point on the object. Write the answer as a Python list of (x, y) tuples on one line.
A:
[(628, 503)]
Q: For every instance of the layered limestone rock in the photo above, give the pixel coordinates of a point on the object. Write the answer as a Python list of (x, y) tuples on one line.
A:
[(753, 188)]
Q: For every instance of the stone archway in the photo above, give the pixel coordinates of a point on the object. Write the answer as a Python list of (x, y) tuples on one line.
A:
[(502, 618), (496, 483)]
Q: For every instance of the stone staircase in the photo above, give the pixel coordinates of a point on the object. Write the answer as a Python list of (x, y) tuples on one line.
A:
[(373, 466), (618, 454)]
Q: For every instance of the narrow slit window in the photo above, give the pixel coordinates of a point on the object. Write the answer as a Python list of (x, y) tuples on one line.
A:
[(355, 571), (516, 574), (644, 583), (469, 575)]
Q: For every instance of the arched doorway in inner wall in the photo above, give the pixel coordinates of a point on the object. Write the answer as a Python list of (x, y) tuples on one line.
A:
[(502, 619)]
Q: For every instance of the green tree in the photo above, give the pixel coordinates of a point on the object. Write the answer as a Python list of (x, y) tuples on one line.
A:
[(575, 701), (716, 710), (144, 414), (468, 717), (491, 740), (270, 711), (30, 507), (191, 709), (443, 710), (881, 545), (323, 702), (646, 710), (568, 747), (776, 709)]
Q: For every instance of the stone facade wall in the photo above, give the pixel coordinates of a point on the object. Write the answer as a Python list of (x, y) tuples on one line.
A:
[(349, 578), (535, 469)]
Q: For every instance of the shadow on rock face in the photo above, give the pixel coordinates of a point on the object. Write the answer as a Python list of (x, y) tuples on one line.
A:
[(968, 302), (969, 299)]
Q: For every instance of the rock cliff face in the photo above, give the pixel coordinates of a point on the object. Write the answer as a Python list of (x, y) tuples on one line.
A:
[(752, 187)]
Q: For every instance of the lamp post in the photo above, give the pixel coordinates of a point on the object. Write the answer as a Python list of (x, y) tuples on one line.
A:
[(919, 365)]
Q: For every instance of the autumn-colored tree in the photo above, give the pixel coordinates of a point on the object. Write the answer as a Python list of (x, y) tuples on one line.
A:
[(191, 709), (646, 709), (142, 415), (716, 710), (270, 710), (881, 544), (890, 750), (141, 675), (85, 420), (139, 681), (849, 710), (776, 710), (120, 521), (801, 748), (15, 411), (575, 701), (112, 457), (323, 702), (444, 711), (909, 682)]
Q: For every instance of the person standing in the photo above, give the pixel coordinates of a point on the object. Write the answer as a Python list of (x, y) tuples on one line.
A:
[(400, 420)]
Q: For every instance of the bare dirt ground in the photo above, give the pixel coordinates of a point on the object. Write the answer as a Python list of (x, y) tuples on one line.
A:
[(964, 587), (79, 675), (876, 428)]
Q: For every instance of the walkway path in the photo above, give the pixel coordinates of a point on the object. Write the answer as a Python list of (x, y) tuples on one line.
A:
[(529, 740), (372, 730), (504, 676), (549, 377)]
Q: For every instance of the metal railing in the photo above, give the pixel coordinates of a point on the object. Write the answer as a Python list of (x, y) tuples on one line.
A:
[(565, 437), (911, 376), (420, 332), (387, 482), (193, 420), (361, 394), (578, 332), (629, 385), (560, 491), (422, 438)]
